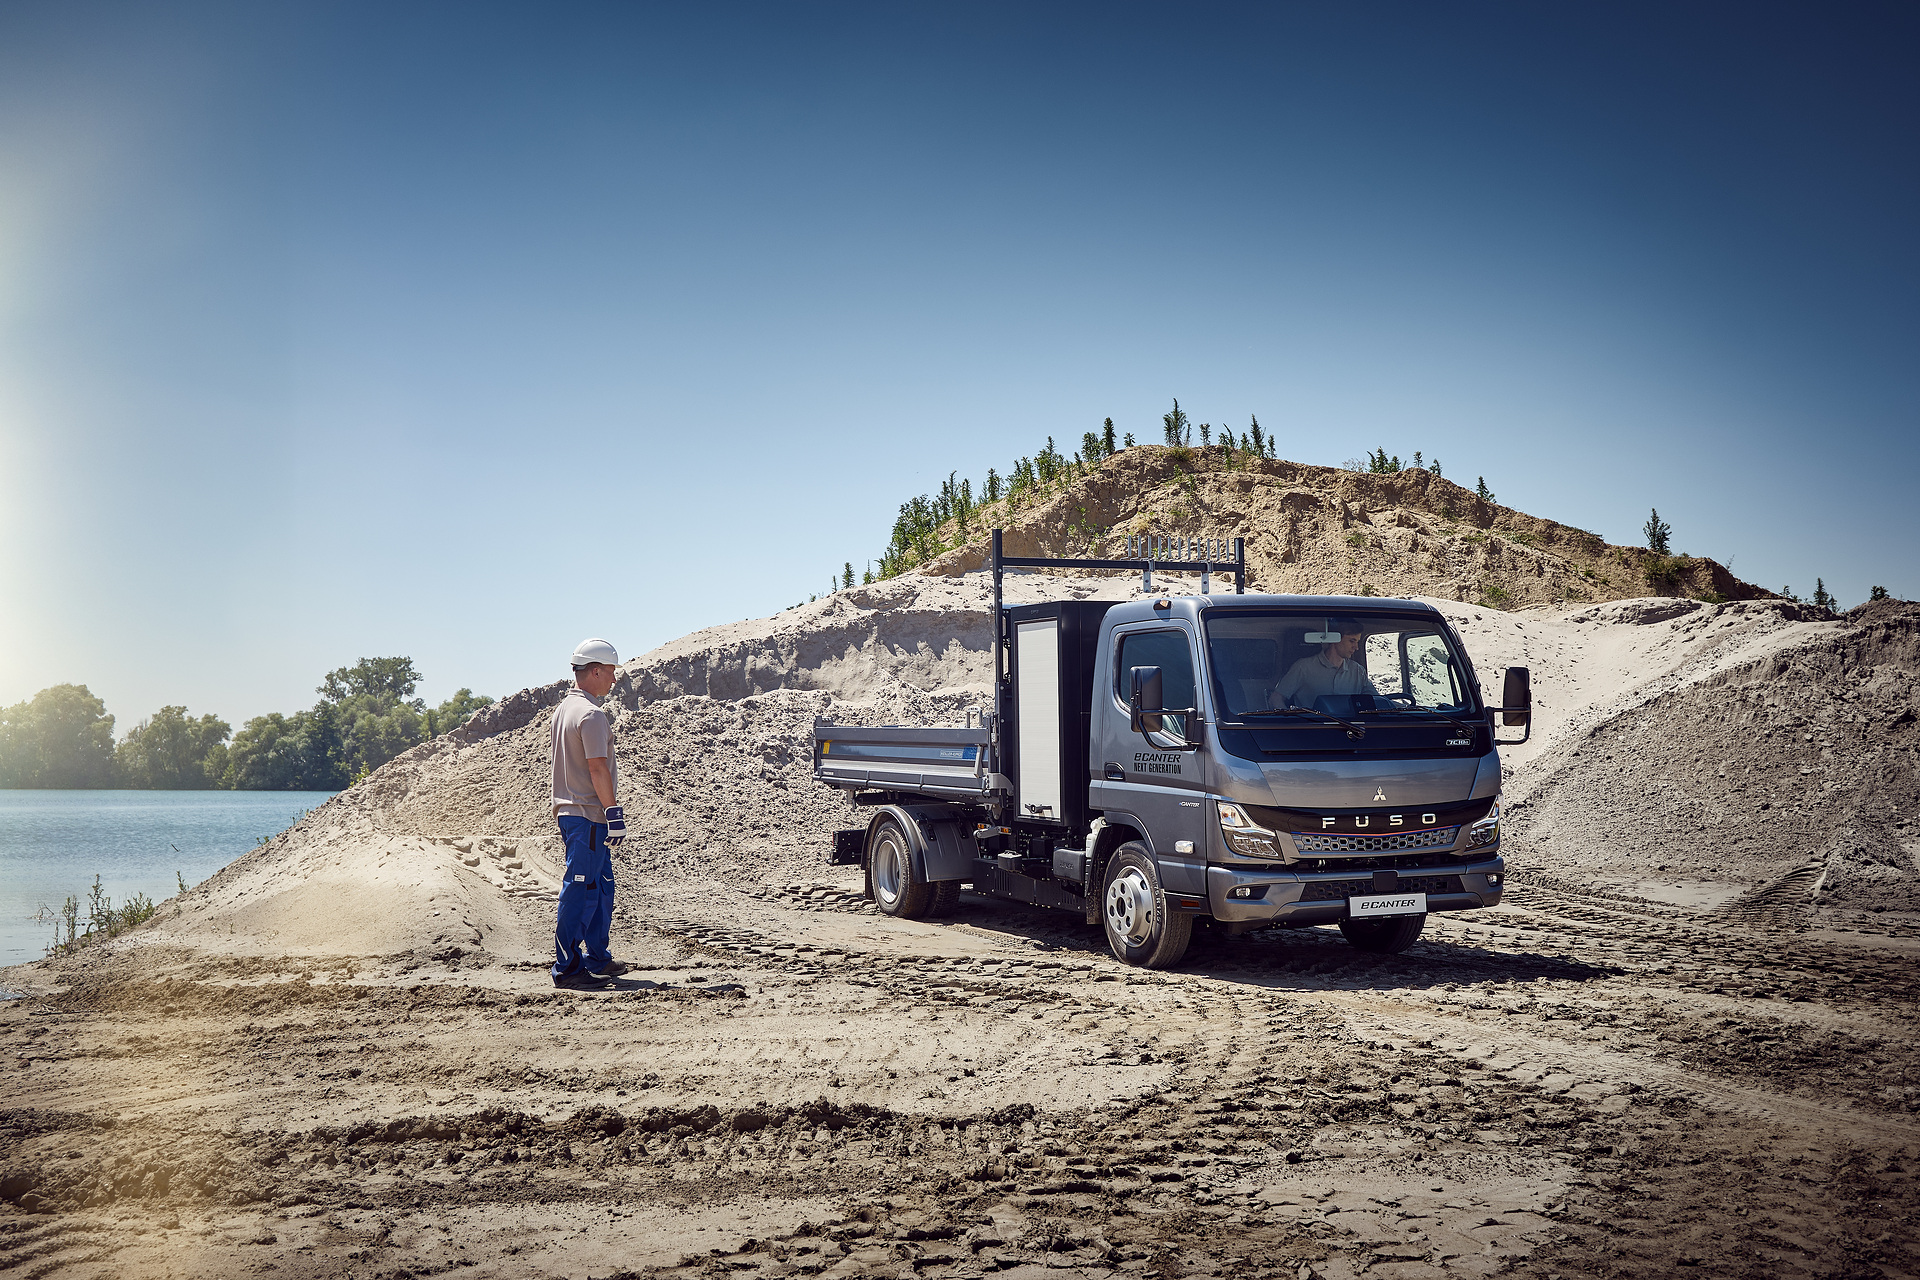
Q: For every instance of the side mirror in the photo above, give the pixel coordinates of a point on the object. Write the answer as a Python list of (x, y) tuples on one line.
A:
[(1145, 701), (1516, 700)]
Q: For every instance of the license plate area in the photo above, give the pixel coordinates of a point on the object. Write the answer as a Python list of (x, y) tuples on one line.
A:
[(1387, 904)]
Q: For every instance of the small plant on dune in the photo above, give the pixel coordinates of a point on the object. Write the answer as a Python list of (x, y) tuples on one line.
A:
[(104, 920), (1496, 596), (1877, 593), (1357, 540), (1658, 533), (1175, 425), (1485, 494), (1822, 598), (1663, 572)]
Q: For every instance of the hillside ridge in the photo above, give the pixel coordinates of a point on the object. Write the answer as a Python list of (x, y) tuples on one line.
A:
[(1329, 531)]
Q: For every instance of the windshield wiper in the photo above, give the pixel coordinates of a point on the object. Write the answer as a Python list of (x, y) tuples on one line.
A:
[(1355, 732), (1425, 711)]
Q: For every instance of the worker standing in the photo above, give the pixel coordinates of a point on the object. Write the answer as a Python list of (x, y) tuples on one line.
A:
[(586, 780)]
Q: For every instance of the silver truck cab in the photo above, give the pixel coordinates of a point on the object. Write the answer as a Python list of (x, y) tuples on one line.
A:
[(1266, 805)]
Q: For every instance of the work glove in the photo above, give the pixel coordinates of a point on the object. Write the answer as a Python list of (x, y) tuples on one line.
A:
[(616, 824)]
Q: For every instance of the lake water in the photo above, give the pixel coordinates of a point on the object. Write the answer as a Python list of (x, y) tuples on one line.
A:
[(53, 843)]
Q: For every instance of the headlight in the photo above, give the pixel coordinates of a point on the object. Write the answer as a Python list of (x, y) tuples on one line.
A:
[(1487, 830), (1243, 837)]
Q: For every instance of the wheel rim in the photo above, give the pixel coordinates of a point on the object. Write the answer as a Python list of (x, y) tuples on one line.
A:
[(886, 869), (1130, 906)]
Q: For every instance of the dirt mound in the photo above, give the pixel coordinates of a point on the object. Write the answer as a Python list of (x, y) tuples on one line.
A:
[(1790, 768), (1323, 530)]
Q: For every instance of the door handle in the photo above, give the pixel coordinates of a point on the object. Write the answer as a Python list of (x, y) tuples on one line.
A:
[(1114, 773)]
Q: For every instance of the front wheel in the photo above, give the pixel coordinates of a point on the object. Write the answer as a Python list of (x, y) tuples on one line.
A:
[(1389, 936), (1140, 928), (946, 898), (890, 871)]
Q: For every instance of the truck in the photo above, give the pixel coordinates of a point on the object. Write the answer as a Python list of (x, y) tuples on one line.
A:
[(1231, 761)]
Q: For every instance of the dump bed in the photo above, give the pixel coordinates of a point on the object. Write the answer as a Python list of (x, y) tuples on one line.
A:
[(945, 762)]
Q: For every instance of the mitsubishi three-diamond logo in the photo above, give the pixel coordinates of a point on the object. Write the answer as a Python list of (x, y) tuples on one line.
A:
[(1380, 794)]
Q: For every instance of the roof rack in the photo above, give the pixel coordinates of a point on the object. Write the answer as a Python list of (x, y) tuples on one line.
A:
[(1178, 555)]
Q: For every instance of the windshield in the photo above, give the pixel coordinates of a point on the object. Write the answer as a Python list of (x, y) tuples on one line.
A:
[(1365, 665)]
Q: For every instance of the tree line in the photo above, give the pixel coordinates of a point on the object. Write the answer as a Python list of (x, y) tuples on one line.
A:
[(63, 738)]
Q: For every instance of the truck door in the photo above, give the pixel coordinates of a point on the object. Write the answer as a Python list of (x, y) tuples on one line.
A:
[(1148, 776)]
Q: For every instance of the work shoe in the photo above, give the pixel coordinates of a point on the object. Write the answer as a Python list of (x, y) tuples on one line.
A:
[(614, 968), (583, 981)]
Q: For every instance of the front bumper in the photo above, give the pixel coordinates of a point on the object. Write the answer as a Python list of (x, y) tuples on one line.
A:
[(1289, 899)]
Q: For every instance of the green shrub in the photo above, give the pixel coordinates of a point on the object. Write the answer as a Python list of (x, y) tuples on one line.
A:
[(1663, 572), (104, 920)]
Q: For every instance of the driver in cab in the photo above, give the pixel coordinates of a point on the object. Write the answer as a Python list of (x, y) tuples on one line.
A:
[(1332, 671)]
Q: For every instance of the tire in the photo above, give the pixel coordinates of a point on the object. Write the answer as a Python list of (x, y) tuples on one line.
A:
[(946, 898), (1388, 937), (896, 890), (1140, 929)]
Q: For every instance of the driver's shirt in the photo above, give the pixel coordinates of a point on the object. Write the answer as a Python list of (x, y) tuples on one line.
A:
[(1314, 677)]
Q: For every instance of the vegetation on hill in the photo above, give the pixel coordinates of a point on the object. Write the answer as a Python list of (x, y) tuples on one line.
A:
[(1375, 525), (932, 524), (366, 715)]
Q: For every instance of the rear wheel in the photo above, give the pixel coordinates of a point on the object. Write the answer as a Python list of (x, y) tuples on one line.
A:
[(890, 871), (1389, 936), (1140, 928)]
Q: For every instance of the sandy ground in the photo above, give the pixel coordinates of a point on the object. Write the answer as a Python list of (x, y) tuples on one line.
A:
[(1674, 1050), (1566, 1085)]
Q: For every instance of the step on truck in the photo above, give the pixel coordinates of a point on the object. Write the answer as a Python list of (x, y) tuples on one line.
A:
[(1253, 761)]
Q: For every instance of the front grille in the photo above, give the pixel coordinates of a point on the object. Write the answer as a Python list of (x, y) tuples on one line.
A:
[(1334, 890), (1425, 838)]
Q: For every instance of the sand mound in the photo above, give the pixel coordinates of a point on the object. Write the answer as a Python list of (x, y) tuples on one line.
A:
[(1778, 753)]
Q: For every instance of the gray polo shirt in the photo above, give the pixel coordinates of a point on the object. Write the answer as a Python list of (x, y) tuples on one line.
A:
[(580, 733), (1314, 677)]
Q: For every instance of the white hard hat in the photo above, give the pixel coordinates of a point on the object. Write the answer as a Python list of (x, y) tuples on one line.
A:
[(594, 651)]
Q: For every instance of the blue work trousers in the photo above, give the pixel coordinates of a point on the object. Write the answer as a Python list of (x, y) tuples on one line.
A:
[(586, 900)]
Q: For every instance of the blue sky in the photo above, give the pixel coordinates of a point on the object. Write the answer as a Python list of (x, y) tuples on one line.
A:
[(343, 330)]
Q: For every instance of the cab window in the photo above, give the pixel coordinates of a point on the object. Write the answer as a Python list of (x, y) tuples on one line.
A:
[(1168, 651)]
